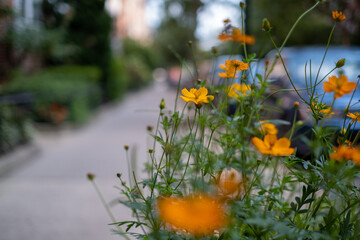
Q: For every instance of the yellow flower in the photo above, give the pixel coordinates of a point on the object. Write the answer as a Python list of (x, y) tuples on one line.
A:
[(344, 152), (237, 88), (232, 67), (197, 96), (237, 36), (199, 214), (338, 16), (268, 128), (273, 146), (230, 183), (354, 116), (339, 85)]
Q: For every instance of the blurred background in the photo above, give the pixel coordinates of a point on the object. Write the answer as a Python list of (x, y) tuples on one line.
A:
[(79, 79)]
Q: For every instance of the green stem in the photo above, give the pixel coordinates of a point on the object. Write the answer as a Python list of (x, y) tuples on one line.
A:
[(106, 206)]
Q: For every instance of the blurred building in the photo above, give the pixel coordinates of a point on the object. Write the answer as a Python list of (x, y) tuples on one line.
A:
[(129, 19)]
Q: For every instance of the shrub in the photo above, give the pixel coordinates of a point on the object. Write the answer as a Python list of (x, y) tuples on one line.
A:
[(66, 92)]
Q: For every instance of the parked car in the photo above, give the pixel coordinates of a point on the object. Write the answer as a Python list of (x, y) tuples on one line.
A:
[(296, 60)]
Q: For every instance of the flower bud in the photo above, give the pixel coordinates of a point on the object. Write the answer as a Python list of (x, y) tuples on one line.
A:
[(299, 123), (126, 147), (214, 50), (118, 175), (266, 25), (296, 105), (151, 151), (242, 4), (90, 176), (230, 183), (149, 128), (343, 131), (340, 63), (267, 62), (190, 43), (162, 104)]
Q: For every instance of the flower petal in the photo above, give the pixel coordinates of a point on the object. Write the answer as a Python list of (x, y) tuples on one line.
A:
[(186, 93), (260, 145), (328, 87)]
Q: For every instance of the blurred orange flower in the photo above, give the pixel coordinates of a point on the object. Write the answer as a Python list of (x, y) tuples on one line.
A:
[(199, 214), (230, 183), (237, 88), (344, 152), (197, 96), (354, 116), (268, 128), (338, 16), (273, 146), (339, 85), (232, 67), (237, 36)]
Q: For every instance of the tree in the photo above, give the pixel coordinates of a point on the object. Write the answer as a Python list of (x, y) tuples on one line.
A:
[(177, 28), (314, 28)]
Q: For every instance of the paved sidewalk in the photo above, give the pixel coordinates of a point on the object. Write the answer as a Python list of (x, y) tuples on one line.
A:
[(49, 198)]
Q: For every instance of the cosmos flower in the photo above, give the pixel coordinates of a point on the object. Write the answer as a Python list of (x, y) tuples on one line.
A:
[(232, 67), (354, 116), (198, 96), (199, 214), (339, 85), (236, 90), (273, 146), (229, 183), (338, 16)]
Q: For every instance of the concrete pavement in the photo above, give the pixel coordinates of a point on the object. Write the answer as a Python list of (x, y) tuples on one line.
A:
[(49, 198)]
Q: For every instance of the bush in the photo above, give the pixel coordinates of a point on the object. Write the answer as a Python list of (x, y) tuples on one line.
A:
[(66, 92), (15, 127)]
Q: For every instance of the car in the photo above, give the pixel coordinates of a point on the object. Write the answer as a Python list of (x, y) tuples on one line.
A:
[(299, 60)]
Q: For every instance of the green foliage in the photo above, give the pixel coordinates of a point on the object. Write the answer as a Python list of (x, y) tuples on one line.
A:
[(175, 31), (147, 54), (133, 72), (74, 88), (314, 29), (15, 127), (119, 79)]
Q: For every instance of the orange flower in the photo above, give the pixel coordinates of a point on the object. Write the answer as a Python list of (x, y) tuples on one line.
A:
[(232, 67), (344, 152), (237, 36), (268, 128), (338, 16), (354, 116), (237, 88), (198, 214), (273, 146), (197, 96), (229, 183), (339, 85), (226, 21)]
